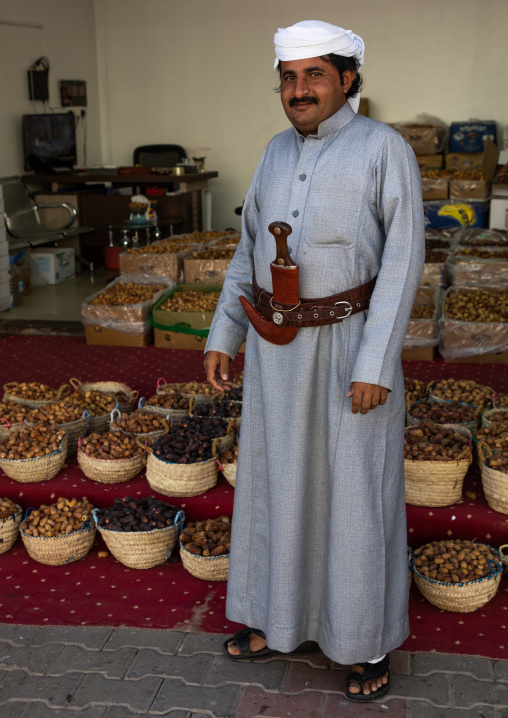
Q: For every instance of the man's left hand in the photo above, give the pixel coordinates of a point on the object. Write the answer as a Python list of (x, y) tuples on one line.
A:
[(366, 396)]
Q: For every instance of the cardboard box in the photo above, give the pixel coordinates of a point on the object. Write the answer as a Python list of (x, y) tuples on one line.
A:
[(455, 213), (463, 161), (120, 315), (178, 340), (471, 136), (54, 264), (165, 319), (205, 271), (430, 162), (423, 354), (101, 336), (469, 189), (498, 213), (424, 139), (435, 188), (467, 271)]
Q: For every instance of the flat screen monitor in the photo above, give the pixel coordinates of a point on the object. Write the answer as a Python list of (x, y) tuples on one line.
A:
[(49, 141)]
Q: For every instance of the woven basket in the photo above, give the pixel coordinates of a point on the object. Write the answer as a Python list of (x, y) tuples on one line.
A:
[(469, 425), (209, 568), (436, 483), (115, 414), (486, 416), (461, 597), (504, 557), (109, 387), (63, 391), (59, 550), (228, 470), (179, 479), (142, 549), (163, 387), (31, 471), (75, 430), (110, 471), (9, 530), (494, 482)]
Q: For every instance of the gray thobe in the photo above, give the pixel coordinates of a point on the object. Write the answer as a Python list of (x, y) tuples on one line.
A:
[(318, 549)]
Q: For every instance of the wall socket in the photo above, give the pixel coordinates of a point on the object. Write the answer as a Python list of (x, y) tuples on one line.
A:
[(73, 93)]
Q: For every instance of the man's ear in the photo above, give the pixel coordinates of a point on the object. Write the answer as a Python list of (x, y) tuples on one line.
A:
[(348, 77)]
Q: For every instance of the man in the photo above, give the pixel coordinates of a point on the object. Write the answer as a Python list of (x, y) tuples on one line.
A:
[(319, 548)]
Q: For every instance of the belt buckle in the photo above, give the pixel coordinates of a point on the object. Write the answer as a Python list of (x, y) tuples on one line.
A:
[(349, 309)]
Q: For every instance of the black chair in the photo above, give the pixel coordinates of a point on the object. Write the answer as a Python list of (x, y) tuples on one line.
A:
[(159, 155), (24, 226)]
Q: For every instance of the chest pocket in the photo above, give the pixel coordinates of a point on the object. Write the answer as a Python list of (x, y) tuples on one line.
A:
[(330, 220)]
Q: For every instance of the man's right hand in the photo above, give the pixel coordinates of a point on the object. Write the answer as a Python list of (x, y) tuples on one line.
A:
[(217, 370)]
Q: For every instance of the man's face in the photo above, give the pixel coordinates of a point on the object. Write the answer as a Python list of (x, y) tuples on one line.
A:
[(311, 92)]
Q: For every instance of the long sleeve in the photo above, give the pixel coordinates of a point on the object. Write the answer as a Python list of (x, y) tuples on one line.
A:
[(230, 323), (400, 211)]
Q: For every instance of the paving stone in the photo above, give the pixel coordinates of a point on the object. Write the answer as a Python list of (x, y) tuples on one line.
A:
[(201, 643), (419, 709), (40, 710), (315, 660), (424, 664), (30, 659), (501, 671), (266, 675), (162, 641), (190, 669), (113, 664), (400, 662), (18, 635), (119, 712), (434, 687), (56, 691), (97, 690), (13, 709), (219, 702), (90, 637), (302, 677), (338, 706), (469, 692), (255, 702)]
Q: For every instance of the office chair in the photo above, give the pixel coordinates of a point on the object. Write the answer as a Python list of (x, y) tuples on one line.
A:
[(24, 226), (159, 155)]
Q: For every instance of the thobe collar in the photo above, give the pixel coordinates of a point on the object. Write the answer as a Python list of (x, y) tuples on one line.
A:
[(334, 123)]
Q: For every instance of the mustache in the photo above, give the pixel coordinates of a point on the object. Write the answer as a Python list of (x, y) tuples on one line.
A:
[(295, 100)]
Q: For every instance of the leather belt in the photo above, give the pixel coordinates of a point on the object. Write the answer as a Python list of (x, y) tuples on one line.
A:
[(313, 312)]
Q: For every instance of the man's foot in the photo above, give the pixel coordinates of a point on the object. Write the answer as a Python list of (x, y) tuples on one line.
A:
[(249, 644), (368, 681), (256, 643)]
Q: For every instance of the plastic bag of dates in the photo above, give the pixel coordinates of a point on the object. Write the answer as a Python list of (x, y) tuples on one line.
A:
[(444, 412), (494, 472), (455, 575), (59, 533), (436, 460), (33, 393), (33, 454), (204, 548), (111, 457), (140, 533), (10, 519)]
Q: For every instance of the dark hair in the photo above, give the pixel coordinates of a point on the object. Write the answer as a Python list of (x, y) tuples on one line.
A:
[(341, 63)]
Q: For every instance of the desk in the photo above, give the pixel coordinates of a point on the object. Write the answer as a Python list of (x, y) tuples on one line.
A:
[(98, 209)]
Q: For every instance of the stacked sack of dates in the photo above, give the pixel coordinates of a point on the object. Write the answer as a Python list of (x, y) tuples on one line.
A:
[(436, 460), (140, 533)]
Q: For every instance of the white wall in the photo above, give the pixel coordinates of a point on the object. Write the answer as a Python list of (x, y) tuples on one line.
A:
[(64, 31), (199, 73)]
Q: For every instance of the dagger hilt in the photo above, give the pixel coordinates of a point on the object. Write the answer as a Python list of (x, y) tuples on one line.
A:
[(281, 232)]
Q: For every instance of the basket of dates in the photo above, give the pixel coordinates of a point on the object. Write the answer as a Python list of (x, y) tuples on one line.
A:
[(10, 519), (204, 548), (111, 457)]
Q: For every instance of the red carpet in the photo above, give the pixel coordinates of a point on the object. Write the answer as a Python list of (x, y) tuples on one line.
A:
[(101, 591)]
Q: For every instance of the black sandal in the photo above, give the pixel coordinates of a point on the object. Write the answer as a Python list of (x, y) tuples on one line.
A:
[(371, 671), (241, 639)]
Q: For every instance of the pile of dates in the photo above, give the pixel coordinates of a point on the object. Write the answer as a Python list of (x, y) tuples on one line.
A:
[(501, 401), (32, 443), (443, 412), (221, 408), (479, 305), (189, 442), (98, 403), (7, 508), (465, 390), (214, 253), (415, 387), (127, 293), (435, 256), (130, 514), (454, 561), (498, 461), (230, 456), (110, 445), (33, 391), (13, 411), (169, 401), (235, 393), (191, 388), (191, 301), (208, 538), (427, 442), (61, 412), (422, 311), (495, 436), (62, 517), (139, 422), (483, 253)]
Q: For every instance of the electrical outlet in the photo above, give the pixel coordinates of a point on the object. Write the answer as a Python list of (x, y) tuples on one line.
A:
[(73, 93)]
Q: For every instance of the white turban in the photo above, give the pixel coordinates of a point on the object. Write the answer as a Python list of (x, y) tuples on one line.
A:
[(312, 38)]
